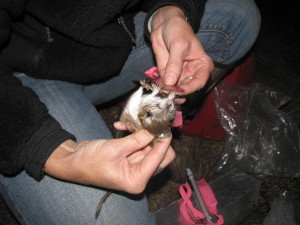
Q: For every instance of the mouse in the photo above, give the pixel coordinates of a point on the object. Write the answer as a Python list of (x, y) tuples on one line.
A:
[(150, 107)]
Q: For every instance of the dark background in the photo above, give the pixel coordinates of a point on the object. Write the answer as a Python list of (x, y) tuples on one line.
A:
[(277, 65)]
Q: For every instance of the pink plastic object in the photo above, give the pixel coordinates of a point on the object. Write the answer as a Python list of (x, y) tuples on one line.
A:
[(193, 215), (154, 76)]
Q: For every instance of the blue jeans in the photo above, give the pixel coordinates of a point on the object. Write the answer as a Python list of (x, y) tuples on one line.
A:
[(228, 30)]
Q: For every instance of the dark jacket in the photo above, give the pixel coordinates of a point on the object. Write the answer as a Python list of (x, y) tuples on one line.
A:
[(78, 41)]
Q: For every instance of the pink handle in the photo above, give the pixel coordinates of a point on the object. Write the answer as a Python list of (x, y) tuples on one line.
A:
[(187, 209)]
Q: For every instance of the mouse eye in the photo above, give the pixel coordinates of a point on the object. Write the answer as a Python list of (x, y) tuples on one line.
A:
[(149, 113), (147, 91)]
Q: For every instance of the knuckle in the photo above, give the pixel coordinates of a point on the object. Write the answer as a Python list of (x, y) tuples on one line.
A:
[(174, 64), (138, 138), (180, 42)]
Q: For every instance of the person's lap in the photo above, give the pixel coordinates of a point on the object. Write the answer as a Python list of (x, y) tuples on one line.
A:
[(51, 201)]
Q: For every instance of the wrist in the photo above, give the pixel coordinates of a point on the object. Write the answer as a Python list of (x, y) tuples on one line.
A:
[(58, 162), (163, 14)]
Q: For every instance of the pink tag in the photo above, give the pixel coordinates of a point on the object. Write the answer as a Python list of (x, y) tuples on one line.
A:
[(154, 76), (178, 119), (152, 73)]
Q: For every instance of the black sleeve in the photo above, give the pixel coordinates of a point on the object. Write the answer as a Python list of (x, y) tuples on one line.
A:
[(8, 10), (28, 133), (193, 10)]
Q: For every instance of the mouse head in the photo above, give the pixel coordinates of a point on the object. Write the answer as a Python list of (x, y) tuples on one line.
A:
[(156, 109)]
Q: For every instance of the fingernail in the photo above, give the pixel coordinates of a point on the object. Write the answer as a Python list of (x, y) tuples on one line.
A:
[(119, 123), (170, 79)]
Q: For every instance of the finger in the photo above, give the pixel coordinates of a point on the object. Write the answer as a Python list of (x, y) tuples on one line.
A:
[(197, 81), (136, 141), (186, 80), (120, 125), (180, 101), (178, 51), (138, 156), (160, 51), (155, 157), (170, 156)]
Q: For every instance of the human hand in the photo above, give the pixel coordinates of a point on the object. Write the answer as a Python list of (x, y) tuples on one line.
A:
[(180, 57), (124, 164)]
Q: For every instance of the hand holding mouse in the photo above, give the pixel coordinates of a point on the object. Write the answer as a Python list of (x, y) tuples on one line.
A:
[(124, 164)]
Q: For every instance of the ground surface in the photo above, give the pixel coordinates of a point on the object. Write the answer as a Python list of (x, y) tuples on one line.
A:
[(277, 54)]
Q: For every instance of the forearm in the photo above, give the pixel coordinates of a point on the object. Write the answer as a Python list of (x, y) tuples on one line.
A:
[(59, 164)]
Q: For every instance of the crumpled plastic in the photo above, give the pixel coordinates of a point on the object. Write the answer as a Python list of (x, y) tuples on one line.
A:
[(260, 138)]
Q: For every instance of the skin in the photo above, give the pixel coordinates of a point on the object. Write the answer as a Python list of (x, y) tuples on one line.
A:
[(178, 52), (127, 164), (124, 164)]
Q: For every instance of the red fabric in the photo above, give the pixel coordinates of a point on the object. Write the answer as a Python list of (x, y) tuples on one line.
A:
[(205, 124)]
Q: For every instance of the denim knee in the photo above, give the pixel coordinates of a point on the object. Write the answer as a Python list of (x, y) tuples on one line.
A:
[(247, 16), (229, 29)]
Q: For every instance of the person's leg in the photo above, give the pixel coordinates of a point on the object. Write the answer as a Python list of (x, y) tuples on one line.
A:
[(229, 29), (52, 201)]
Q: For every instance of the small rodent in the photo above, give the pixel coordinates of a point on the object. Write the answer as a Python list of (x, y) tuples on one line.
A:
[(151, 108)]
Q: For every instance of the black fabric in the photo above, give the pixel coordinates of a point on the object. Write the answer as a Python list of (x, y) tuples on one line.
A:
[(41, 52), (91, 22), (72, 41), (28, 133), (8, 9), (41, 145)]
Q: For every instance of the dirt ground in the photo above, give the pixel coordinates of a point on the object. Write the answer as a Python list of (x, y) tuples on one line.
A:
[(277, 54)]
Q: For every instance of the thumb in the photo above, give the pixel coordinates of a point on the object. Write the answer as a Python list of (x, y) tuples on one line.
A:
[(136, 141)]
